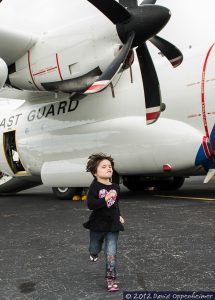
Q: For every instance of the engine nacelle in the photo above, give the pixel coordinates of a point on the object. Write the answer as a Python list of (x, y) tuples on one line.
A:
[(33, 72), (66, 173), (3, 72), (67, 60)]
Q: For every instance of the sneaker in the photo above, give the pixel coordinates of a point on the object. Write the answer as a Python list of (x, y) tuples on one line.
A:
[(112, 285), (93, 257)]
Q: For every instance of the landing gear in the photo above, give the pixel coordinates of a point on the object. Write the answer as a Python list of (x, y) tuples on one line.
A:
[(66, 193), (173, 183), (115, 177), (140, 183), (136, 183)]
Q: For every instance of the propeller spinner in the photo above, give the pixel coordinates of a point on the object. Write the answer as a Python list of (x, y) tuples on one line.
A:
[(135, 25)]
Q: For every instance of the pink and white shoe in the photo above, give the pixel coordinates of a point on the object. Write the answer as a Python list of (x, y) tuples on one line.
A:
[(93, 257), (112, 285)]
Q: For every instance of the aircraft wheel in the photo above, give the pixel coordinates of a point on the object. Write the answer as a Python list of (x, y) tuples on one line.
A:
[(138, 183), (115, 177), (134, 183), (66, 193), (174, 183)]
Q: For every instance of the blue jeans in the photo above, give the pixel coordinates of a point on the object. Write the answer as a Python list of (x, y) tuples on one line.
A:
[(111, 238)]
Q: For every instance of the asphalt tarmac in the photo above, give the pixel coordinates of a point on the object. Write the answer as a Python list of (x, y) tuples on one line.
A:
[(168, 244)]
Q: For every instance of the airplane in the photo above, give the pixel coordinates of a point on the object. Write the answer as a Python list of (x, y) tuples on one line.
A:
[(133, 79)]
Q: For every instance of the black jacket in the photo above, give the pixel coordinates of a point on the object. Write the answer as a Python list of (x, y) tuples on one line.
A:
[(105, 215)]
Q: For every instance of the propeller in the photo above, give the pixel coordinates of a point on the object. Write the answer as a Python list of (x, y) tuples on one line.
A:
[(135, 25), (133, 3), (105, 79), (148, 2), (129, 3), (172, 53)]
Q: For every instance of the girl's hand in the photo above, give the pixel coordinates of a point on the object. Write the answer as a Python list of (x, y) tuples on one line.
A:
[(122, 221), (109, 196)]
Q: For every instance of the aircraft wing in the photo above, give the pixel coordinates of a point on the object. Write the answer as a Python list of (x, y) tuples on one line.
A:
[(12, 185), (14, 94), (14, 44)]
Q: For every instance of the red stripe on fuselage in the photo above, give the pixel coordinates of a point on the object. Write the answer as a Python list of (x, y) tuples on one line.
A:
[(39, 73), (205, 147), (203, 92), (51, 69), (204, 115), (29, 66), (58, 67)]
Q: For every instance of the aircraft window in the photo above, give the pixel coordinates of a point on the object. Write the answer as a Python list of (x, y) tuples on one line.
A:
[(11, 152)]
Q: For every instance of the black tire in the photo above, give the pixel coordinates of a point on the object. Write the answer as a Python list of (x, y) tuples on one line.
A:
[(115, 177), (172, 184), (137, 183), (134, 183), (66, 193)]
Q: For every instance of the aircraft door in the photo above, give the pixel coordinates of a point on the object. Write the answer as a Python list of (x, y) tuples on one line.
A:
[(11, 153)]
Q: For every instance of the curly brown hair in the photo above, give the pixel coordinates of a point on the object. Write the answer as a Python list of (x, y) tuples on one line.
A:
[(94, 161)]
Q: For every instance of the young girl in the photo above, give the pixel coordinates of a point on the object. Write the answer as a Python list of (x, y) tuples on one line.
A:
[(105, 221)]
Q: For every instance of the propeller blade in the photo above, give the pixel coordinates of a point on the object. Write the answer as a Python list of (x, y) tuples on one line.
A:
[(75, 85), (112, 10), (172, 53), (105, 79), (150, 83), (148, 2), (128, 3)]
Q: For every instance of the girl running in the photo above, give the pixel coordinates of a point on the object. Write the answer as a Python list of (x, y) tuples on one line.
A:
[(105, 221)]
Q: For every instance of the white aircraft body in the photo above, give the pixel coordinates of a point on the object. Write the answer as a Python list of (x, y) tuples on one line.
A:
[(87, 91)]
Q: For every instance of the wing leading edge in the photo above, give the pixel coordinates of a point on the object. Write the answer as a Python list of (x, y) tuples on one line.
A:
[(15, 45)]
